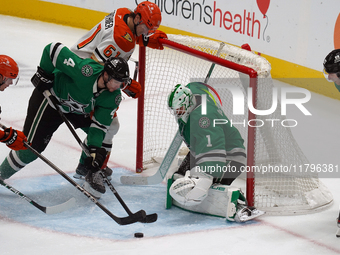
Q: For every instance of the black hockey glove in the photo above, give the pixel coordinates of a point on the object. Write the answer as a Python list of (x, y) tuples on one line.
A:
[(42, 81), (95, 162)]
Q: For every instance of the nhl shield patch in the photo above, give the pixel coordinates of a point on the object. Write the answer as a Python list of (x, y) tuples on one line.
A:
[(87, 70), (204, 122)]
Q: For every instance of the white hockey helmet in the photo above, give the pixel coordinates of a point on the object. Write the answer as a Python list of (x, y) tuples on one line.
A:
[(190, 191), (180, 100)]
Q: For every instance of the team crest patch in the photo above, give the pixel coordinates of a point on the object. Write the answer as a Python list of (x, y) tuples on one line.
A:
[(118, 99), (87, 70), (127, 36), (204, 122)]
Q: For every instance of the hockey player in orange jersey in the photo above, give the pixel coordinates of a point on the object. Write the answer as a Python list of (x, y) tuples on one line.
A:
[(117, 35), (9, 75)]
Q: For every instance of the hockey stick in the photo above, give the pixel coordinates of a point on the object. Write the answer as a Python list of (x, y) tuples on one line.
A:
[(120, 220), (338, 230), (163, 169), (48, 210), (213, 64), (149, 218), (146, 218), (135, 73), (138, 216)]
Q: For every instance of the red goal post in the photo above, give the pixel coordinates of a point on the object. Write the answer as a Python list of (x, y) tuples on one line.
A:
[(187, 59)]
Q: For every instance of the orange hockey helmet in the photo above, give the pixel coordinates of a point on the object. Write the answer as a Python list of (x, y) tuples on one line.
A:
[(150, 15), (8, 67)]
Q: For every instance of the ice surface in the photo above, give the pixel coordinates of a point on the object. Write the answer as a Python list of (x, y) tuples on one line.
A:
[(85, 229)]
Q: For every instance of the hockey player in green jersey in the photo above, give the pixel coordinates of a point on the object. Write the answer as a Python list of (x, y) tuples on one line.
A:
[(331, 66), (216, 155), (80, 87)]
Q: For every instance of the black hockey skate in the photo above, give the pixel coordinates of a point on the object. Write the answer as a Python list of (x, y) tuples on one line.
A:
[(94, 184), (82, 171)]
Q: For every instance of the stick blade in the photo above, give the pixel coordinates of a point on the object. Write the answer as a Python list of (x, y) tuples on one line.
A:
[(61, 207), (136, 217), (150, 218)]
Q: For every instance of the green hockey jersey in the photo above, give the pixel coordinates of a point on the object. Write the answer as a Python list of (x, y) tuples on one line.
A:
[(211, 143), (75, 87), (337, 86)]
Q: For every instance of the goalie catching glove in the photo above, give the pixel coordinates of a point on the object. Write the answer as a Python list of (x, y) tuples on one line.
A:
[(132, 88), (14, 139), (42, 80)]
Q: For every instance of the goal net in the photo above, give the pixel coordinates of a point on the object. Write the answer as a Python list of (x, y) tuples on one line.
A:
[(268, 139)]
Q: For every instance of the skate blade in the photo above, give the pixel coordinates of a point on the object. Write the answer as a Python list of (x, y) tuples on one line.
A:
[(253, 216), (92, 191), (78, 176)]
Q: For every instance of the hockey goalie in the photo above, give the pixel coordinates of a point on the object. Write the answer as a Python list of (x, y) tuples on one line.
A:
[(216, 156)]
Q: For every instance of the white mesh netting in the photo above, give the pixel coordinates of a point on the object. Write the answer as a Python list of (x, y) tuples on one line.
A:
[(276, 193)]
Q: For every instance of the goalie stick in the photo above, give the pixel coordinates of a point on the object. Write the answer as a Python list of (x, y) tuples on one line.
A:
[(170, 155), (146, 218), (48, 210), (159, 176)]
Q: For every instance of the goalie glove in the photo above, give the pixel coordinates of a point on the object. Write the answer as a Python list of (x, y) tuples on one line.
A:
[(14, 139), (42, 80), (97, 158), (132, 88)]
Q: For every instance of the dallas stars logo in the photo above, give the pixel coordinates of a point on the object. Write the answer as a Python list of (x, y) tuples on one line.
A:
[(73, 105)]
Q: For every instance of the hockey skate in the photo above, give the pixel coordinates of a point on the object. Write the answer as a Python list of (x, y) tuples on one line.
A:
[(245, 213), (94, 184), (82, 170), (238, 209)]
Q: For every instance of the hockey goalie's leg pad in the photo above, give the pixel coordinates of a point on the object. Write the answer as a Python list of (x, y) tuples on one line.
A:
[(233, 196), (190, 190)]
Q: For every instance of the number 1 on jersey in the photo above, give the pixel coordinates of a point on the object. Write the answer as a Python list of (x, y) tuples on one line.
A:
[(209, 141)]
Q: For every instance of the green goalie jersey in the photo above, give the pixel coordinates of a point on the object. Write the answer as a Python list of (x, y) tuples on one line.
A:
[(212, 144), (75, 86)]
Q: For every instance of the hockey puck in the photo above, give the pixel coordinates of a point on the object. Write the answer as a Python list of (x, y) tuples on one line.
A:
[(139, 235)]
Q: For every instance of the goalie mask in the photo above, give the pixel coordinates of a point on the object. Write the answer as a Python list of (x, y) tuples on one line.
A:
[(181, 102), (331, 63), (8, 70)]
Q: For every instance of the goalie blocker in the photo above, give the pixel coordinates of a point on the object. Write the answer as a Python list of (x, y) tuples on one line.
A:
[(220, 200)]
